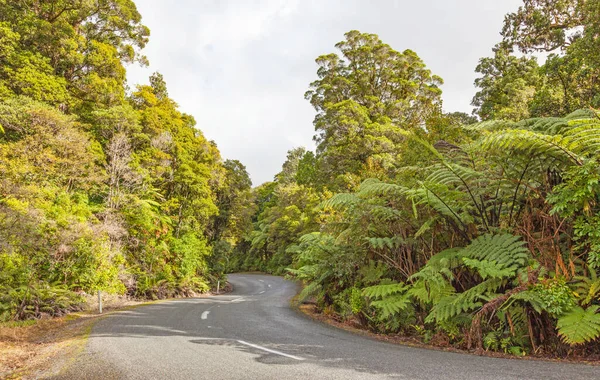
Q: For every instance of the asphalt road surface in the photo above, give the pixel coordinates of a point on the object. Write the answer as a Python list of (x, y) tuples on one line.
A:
[(252, 333)]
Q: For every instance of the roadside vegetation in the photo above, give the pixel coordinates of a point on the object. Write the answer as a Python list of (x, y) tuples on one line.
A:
[(103, 186), (476, 232)]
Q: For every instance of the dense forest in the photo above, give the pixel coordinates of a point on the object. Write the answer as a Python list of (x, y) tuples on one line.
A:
[(474, 231), (102, 186)]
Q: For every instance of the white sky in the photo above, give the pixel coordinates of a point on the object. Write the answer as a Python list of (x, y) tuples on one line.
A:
[(241, 67)]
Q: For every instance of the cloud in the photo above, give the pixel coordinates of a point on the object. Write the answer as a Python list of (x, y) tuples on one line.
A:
[(242, 67)]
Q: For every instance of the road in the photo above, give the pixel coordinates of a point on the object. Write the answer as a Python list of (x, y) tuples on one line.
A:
[(252, 333)]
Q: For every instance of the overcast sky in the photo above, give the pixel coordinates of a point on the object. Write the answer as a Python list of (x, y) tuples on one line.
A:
[(241, 67)]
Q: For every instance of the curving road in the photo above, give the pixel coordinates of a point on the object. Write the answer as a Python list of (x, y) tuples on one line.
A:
[(252, 333)]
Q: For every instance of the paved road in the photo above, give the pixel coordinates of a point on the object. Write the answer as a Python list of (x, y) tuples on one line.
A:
[(252, 333)]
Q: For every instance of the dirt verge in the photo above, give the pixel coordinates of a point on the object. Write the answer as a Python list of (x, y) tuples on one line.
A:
[(35, 348), (311, 311)]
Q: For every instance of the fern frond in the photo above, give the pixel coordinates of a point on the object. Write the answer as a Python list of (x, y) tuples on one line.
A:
[(490, 269), (469, 300), (392, 305), (588, 287), (531, 143), (584, 136), (579, 326), (341, 201), (453, 174), (489, 126), (530, 297), (385, 242), (496, 256), (309, 290), (374, 187), (380, 291), (385, 214)]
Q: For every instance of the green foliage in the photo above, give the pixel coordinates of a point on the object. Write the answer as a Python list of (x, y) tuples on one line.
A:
[(390, 299), (101, 190), (496, 256), (359, 112), (587, 288), (555, 296), (579, 325), (516, 87), (577, 199)]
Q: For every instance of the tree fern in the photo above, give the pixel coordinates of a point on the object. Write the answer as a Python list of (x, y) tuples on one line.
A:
[(392, 305), (385, 214), (341, 201), (433, 281), (453, 174), (390, 299), (381, 291), (489, 269), (588, 288), (374, 187), (579, 325), (531, 143), (469, 300), (529, 297), (584, 136), (385, 242), (489, 125), (496, 256)]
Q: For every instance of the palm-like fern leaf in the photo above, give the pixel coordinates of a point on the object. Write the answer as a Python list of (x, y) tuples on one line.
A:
[(579, 325), (531, 143)]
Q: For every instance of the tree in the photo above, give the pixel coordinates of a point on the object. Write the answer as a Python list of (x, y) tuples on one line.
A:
[(81, 45), (289, 169), (362, 97), (507, 86), (567, 29)]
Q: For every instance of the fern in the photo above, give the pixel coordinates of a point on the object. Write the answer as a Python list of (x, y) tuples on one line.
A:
[(588, 287), (469, 300), (530, 297), (489, 269), (432, 282), (584, 136), (489, 125), (579, 326), (453, 174), (498, 255), (390, 299), (531, 143), (374, 187), (373, 272), (385, 242), (381, 291), (309, 290), (341, 201), (392, 305)]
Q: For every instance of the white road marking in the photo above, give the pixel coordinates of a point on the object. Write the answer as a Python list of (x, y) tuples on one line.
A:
[(269, 285), (269, 350), (261, 280), (205, 314), (261, 292)]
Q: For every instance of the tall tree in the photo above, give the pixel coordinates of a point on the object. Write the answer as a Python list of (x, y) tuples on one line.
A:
[(507, 86), (81, 44), (362, 97)]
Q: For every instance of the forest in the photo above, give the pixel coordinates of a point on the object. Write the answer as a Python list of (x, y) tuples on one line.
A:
[(102, 186), (478, 232)]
